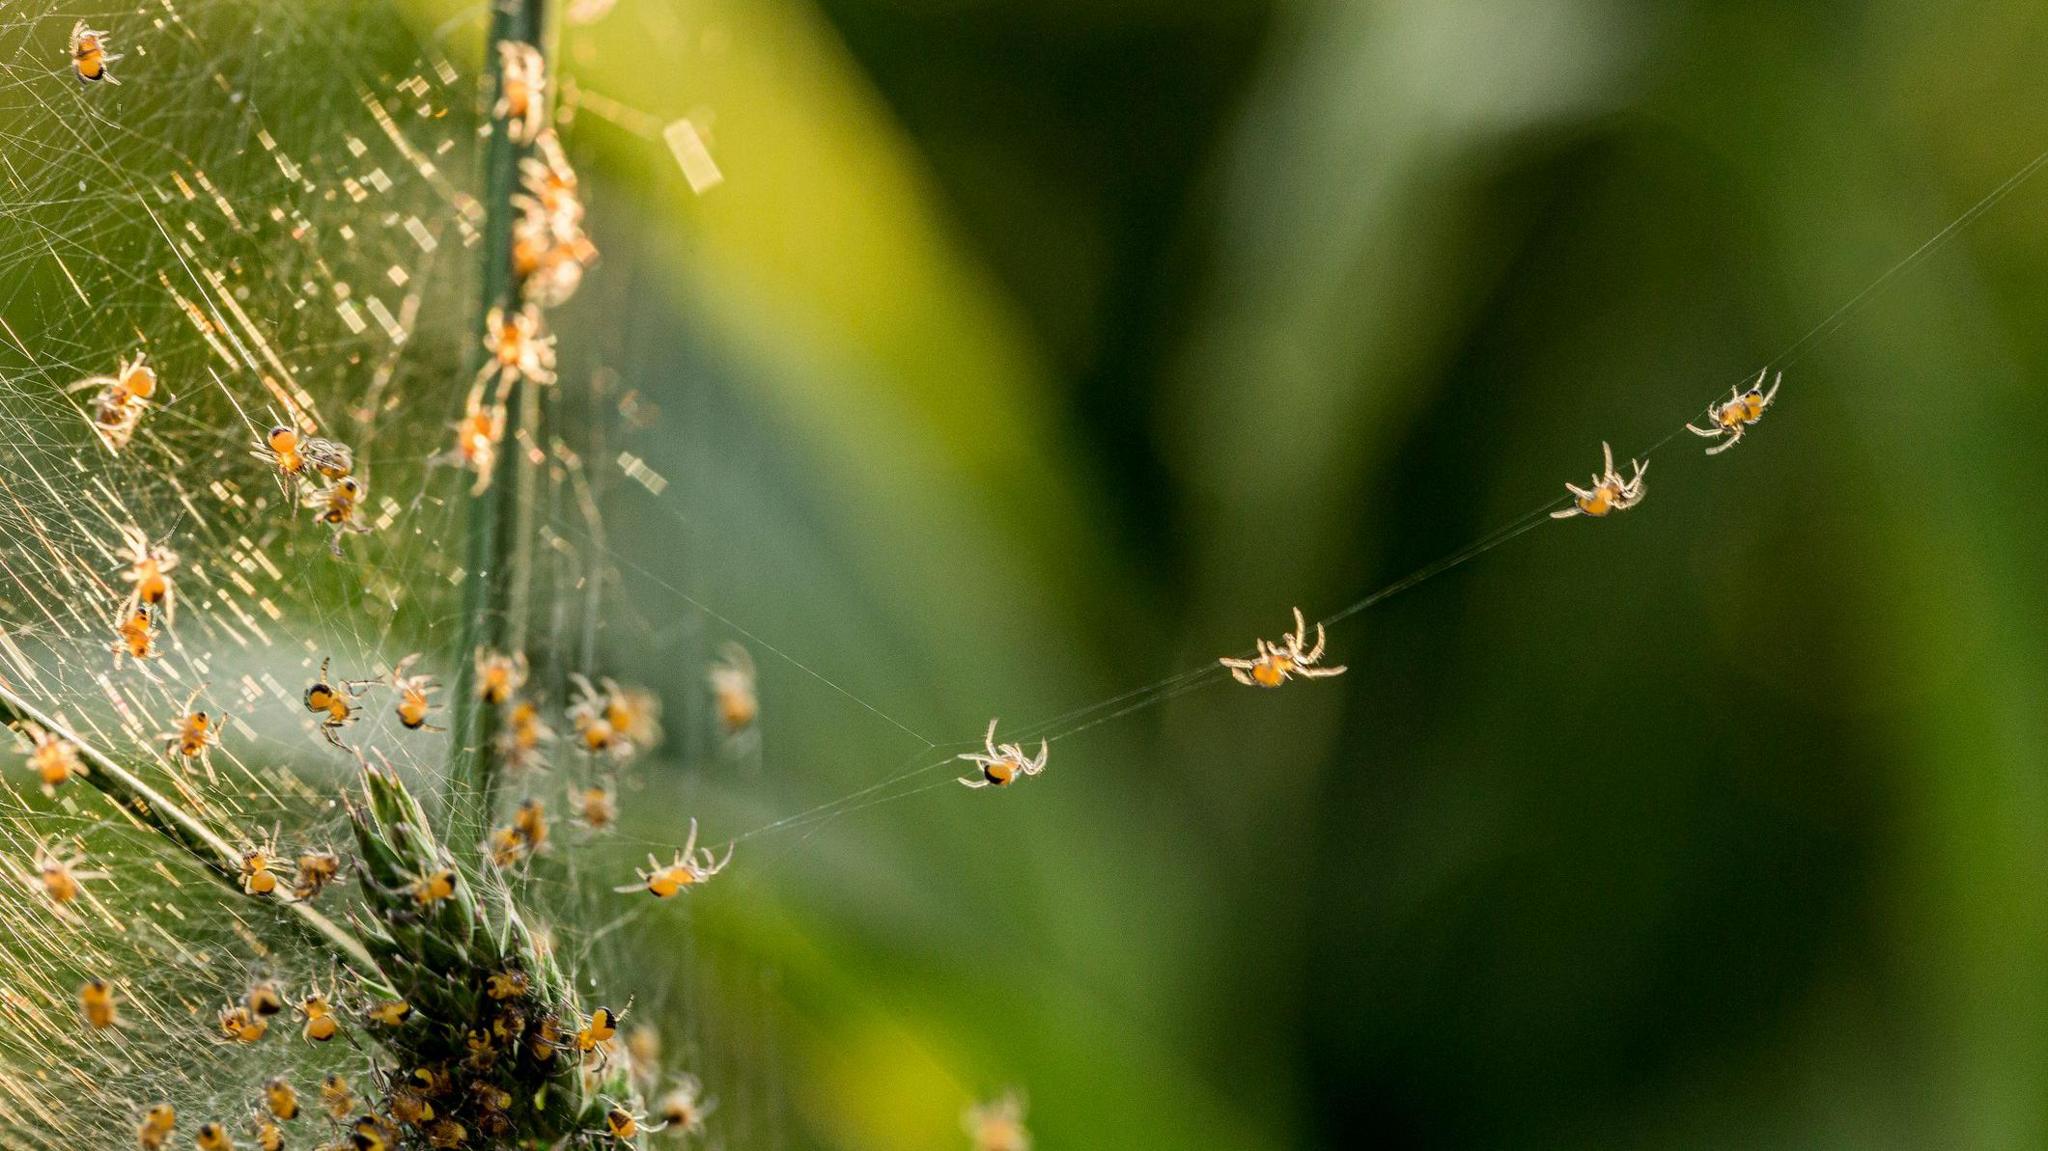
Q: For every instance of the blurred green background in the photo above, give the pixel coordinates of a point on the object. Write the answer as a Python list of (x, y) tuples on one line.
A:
[(1032, 351)]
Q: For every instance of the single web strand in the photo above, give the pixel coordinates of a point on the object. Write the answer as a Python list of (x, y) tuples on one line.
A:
[(777, 652)]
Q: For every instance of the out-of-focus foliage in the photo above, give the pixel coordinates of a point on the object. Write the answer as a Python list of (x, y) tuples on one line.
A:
[(1032, 351)]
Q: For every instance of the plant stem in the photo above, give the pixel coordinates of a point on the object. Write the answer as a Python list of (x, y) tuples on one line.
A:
[(500, 525), (152, 809)]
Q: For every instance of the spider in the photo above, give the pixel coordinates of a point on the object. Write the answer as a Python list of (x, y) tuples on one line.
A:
[(554, 271), (156, 1127), (121, 400), (1002, 766), (525, 836), (335, 702), (477, 435), (532, 240), (415, 695), (1731, 417), (997, 1125), (518, 350), (317, 1009), (241, 1025), (138, 635), (195, 731), (293, 455), (683, 1109), (148, 568), (1609, 493), (693, 865), (549, 185), (340, 506), (258, 862), (62, 876), (499, 676), (634, 713), (431, 887), (732, 682), (1277, 662), (524, 735), (596, 806), (314, 871), (623, 1125), (99, 1002), (592, 715), (89, 55), (53, 758), (522, 90)]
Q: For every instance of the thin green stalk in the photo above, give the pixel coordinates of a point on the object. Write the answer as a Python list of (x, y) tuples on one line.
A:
[(500, 527), (152, 809)]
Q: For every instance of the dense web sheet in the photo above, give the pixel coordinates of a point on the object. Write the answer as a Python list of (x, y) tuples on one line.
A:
[(274, 205), (268, 206), (277, 231)]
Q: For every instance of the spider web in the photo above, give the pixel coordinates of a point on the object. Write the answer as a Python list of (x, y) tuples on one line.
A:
[(273, 205)]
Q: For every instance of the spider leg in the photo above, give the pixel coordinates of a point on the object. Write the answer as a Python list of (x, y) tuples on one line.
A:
[(1315, 653), (1607, 457), (971, 782), (1710, 433), (1559, 515), (133, 603), (1734, 437), (1240, 674), (1773, 393)]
